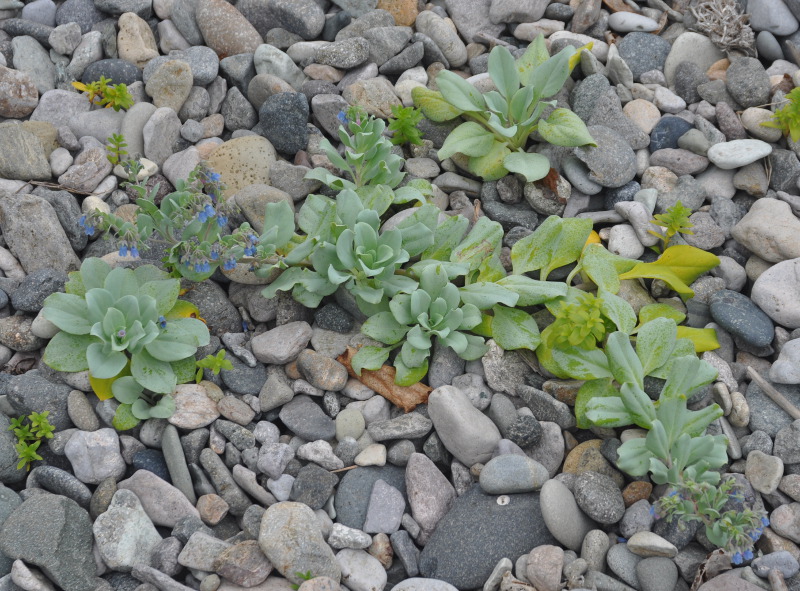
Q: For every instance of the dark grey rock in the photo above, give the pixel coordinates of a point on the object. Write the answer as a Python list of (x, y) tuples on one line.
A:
[(238, 70), (237, 111), (643, 52), (35, 287), (304, 417), (524, 431), (748, 82), (243, 379), (223, 482), (30, 392), (117, 70), (430, 50), (302, 17), (612, 163), (624, 193), (17, 27), (477, 532), (688, 76), (335, 23), (83, 12), (153, 461), (333, 317), (354, 491), (313, 485), (55, 534), (283, 118), (220, 314), (68, 212), (785, 170), (9, 473), (599, 497), (203, 61), (666, 132), (60, 482), (765, 415), (405, 60)]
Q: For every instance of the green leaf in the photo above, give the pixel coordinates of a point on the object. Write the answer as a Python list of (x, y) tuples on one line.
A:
[(278, 224), (179, 340), (68, 312), (469, 138), (514, 329), (104, 364), (533, 292), (67, 352), (534, 56), (184, 368), (686, 375), (574, 363), (384, 328), (433, 105), (484, 295), (655, 342), (622, 360), (317, 215), (604, 267), (531, 165), (653, 311), (164, 408), (141, 410), (549, 77), (375, 197), (93, 273), (678, 266), (555, 243), (480, 243), (634, 457), (152, 373), (369, 357), (618, 310), (121, 282), (657, 441), (638, 404), (458, 92), (164, 292), (591, 389), (126, 389), (447, 235), (608, 412), (703, 339), (503, 71), (123, 418), (148, 273), (408, 376), (565, 128), (490, 167)]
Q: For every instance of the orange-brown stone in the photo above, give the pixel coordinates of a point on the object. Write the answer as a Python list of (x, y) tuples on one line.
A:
[(404, 11)]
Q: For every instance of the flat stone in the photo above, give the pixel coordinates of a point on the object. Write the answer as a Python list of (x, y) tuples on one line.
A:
[(738, 153)]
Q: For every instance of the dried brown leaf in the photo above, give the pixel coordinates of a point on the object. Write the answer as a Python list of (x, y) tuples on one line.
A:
[(382, 381)]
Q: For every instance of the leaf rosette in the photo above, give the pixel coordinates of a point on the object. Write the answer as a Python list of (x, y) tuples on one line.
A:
[(115, 322)]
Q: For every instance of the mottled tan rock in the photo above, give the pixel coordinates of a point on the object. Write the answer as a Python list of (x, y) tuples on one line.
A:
[(212, 509), (18, 94), (253, 201), (544, 565), (403, 11), (225, 29), (193, 407), (135, 40), (170, 84), (375, 95), (242, 162)]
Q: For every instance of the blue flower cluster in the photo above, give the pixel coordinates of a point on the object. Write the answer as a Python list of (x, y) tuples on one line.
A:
[(123, 250), (250, 249), (88, 228)]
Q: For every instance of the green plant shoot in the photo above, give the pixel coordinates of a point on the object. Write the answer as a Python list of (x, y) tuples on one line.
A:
[(404, 123), (215, 363)]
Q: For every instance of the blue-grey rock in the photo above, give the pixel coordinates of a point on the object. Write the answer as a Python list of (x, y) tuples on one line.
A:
[(9, 473), (737, 314), (29, 393), (477, 532), (666, 132), (55, 534), (216, 309), (624, 193), (17, 27), (152, 460), (60, 482), (765, 415), (243, 379), (355, 489), (748, 82), (612, 163), (203, 61)]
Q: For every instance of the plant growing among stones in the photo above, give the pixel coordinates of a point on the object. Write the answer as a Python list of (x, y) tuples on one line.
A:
[(787, 118), (676, 451), (674, 221), (116, 148), (216, 363), (499, 123), (30, 431), (404, 123), (124, 326), (102, 92)]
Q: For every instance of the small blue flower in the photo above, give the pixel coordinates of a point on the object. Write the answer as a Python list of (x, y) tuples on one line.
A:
[(230, 264), (82, 221), (214, 177), (202, 216), (764, 521), (209, 211), (162, 322), (123, 250), (214, 255), (748, 555), (206, 267), (134, 252), (652, 511), (737, 558), (198, 268), (90, 230), (342, 116), (121, 333), (673, 493), (222, 220), (253, 238), (250, 251)]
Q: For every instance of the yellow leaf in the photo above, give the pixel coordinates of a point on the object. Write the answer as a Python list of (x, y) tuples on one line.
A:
[(102, 387), (183, 309), (80, 86), (703, 339), (576, 58)]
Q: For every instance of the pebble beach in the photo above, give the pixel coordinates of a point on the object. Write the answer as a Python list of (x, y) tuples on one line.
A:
[(286, 471)]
